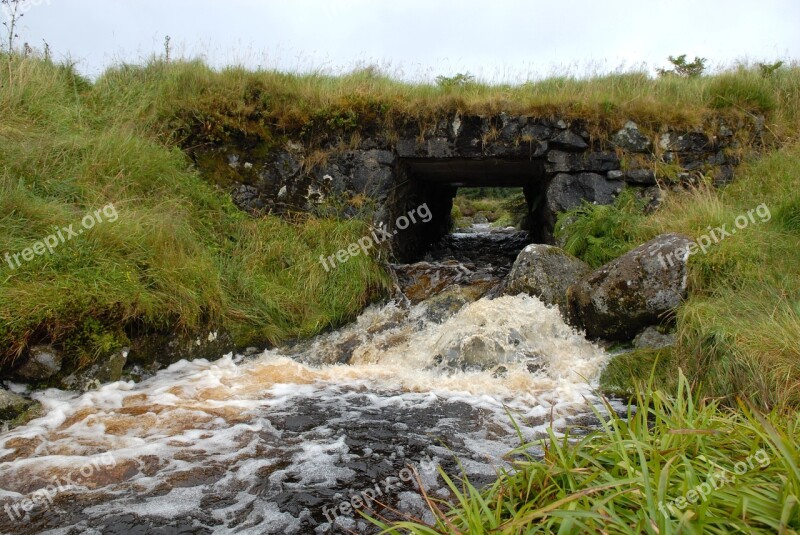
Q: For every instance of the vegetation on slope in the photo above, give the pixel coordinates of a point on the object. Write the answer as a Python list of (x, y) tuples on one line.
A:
[(738, 332), (179, 256), (179, 96)]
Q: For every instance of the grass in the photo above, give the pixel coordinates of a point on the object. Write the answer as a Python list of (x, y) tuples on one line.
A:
[(190, 101), (180, 255), (738, 331), (679, 464)]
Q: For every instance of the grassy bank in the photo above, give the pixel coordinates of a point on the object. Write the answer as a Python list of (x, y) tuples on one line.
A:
[(176, 96), (679, 464), (178, 256), (738, 331)]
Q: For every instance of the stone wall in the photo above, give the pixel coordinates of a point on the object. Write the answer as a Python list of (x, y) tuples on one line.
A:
[(559, 164)]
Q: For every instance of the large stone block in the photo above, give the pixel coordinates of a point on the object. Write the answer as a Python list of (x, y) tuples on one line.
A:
[(637, 289)]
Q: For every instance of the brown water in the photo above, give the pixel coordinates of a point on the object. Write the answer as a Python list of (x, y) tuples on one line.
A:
[(276, 442)]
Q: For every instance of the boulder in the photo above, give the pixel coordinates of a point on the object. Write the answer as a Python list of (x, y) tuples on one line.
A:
[(631, 139), (569, 141), (636, 290), (545, 272), (12, 405), (43, 362)]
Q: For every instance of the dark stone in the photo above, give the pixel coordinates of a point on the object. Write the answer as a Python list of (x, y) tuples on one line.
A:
[(511, 127), (636, 290), (287, 166), (469, 140), (105, 370), (631, 139), (644, 177), (569, 141), (689, 142), (41, 363), (566, 162), (566, 192), (154, 351), (723, 175), (537, 132), (651, 338), (406, 148), (248, 198), (439, 147)]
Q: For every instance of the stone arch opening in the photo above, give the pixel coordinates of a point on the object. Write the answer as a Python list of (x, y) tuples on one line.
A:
[(434, 183)]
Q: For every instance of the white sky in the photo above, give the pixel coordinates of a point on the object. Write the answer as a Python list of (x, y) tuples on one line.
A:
[(499, 40)]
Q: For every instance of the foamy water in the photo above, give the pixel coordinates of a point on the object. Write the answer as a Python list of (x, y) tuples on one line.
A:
[(273, 443)]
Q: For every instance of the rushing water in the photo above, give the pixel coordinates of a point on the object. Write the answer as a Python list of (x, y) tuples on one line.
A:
[(276, 443)]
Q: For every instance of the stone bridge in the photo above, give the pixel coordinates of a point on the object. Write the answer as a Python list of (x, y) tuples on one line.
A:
[(557, 163)]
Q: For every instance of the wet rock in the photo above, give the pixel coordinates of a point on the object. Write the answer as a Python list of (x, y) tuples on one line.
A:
[(480, 219), (545, 272), (652, 338), (106, 370), (12, 405), (422, 280), (42, 363), (631, 139), (569, 141), (154, 351), (441, 307), (634, 291)]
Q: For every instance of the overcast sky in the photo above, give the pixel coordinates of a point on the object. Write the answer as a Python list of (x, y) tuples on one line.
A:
[(500, 40)]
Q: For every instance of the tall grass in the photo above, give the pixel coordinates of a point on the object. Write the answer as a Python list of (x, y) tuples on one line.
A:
[(176, 95), (179, 256), (676, 464)]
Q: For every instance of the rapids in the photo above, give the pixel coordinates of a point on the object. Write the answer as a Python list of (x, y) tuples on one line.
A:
[(299, 439)]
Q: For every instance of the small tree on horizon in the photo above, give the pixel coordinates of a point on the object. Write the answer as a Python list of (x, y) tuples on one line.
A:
[(683, 68)]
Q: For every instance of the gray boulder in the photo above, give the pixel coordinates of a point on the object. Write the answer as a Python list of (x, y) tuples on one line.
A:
[(545, 272), (42, 363), (631, 139), (636, 290)]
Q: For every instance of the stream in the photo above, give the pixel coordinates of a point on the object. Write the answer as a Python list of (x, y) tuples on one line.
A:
[(303, 438)]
